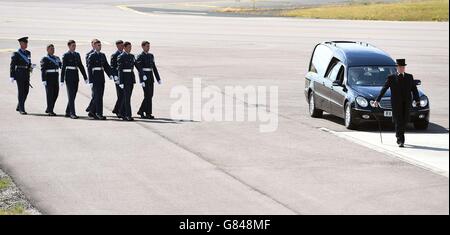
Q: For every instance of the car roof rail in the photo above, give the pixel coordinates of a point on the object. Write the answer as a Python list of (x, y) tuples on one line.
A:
[(343, 42), (333, 43)]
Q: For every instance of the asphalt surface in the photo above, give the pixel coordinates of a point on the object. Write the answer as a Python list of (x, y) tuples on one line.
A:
[(182, 167)]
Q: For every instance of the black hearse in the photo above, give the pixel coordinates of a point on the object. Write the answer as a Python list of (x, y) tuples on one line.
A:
[(345, 78)]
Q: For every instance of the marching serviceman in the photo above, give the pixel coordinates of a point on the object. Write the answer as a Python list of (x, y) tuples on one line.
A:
[(87, 62), (71, 62), (20, 70), (97, 66), (403, 89), (114, 71), (50, 65), (125, 66), (145, 62)]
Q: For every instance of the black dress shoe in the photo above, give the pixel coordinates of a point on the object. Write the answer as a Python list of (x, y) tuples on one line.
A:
[(66, 115), (74, 116), (130, 119), (23, 112), (17, 108), (92, 116), (51, 114), (401, 145), (150, 117), (88, 110), (100, 117), (46, 111), (141, 114)]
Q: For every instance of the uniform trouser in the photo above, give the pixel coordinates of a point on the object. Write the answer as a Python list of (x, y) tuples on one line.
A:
[(91, 103), (146, 105), (23, 87), (72, 89), (96, 106), (52, 91), (126, 102), (119, 101), (401, 121)]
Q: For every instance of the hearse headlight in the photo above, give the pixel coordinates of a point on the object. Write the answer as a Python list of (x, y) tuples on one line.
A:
[(423, 101), (361, 101)]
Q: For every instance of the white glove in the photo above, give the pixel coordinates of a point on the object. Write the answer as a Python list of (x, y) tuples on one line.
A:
[(11, 79), (86, 81), (44, 83), (117, 82), (116, 78), (145, 78), (143, 84), (121, 86), (61, 84), (111, 77), (33, 66), (159, 82), (90, 85)]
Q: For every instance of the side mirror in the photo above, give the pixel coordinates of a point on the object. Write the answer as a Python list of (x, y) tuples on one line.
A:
[(337, 83), (418, 82)]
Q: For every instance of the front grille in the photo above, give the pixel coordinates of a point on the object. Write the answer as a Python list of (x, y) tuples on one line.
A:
[(385, 103)]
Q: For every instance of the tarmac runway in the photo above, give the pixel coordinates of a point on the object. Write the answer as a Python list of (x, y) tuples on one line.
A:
[(190, 166)]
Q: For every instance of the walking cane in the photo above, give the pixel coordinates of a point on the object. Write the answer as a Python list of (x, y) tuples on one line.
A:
[(379, 127)]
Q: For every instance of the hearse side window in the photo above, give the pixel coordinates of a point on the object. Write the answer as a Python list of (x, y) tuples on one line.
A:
[(333, 62), (321, 60), (334, 72)]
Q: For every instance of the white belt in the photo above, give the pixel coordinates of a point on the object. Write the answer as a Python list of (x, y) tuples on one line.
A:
[(97, 69), (127, 70), (21, 67), (147, 69), (51, 70), (71, 67)]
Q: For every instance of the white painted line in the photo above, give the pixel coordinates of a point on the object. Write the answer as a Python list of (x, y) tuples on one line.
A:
[(428, 151), (180, 12), (126, 8), (7, 50)]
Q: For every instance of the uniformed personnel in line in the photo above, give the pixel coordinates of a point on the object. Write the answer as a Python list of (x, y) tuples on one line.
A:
[(87, 62), (50, 65), (125, 65), (114, 71), (20, 70), (145, 62), (71, 63), (403, 90), (97, 67)]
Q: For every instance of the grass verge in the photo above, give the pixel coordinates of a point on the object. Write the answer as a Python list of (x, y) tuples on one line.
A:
[(405, 10), (409, 10)]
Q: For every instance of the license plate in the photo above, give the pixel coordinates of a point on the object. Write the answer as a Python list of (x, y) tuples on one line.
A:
[(388, 113)]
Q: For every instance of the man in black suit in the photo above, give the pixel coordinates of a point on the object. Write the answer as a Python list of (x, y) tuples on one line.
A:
[(403, 90)]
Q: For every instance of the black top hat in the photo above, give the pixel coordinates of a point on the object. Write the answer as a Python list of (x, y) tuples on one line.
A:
[(23, 39), (401, 62)]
